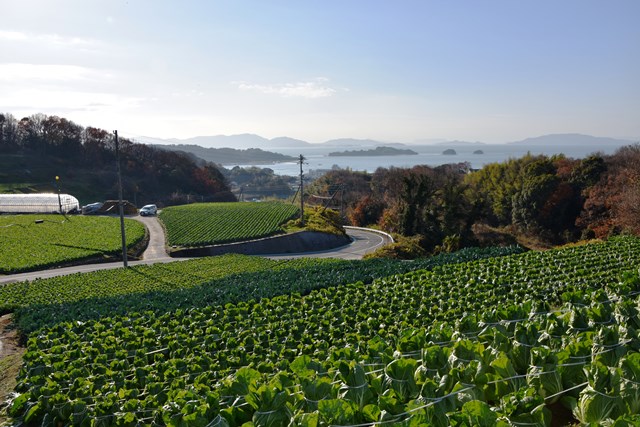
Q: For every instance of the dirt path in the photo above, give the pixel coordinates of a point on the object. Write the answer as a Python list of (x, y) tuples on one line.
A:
[(10, 360)]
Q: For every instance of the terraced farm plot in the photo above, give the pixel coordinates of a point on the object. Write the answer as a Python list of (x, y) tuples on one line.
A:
[(128, 282), (197, 283), (204, 224), (516, 340), (32, 242)]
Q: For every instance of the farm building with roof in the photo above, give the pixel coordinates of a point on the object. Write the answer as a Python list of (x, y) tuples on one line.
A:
[(38, 203)]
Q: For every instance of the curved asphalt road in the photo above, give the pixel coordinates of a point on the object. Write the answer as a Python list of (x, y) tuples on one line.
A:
[(363, 242), (157, 248)]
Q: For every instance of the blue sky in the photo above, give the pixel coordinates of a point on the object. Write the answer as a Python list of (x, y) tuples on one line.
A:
[(487, 70)]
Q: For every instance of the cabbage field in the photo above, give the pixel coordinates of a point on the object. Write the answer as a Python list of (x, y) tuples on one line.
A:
[(197, 283), (203, 224), (34, 242), (520, 340)]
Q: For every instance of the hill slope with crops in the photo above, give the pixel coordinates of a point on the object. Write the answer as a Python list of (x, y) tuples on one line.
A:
[(32, 242), (524, 339), (203, 224)]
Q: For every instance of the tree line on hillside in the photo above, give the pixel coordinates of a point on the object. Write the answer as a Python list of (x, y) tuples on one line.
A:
[(260, 183), (150, 175), (552, 200)]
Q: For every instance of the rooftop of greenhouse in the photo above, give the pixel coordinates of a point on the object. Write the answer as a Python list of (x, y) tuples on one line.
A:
[(38, 203)]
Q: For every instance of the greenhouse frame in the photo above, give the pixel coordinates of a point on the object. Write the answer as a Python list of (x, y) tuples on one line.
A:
[(38, 203)]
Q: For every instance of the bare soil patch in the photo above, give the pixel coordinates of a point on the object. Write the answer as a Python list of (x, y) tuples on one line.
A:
[(10, 361)]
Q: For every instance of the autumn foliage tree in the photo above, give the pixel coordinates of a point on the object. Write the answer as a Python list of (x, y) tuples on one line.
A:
[(367, 211), (422, 202), (346, 187), (557, 199), (52, 145), (612, 202)]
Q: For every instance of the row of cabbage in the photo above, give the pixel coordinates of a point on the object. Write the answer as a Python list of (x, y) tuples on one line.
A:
[(363, 354), (32, 242), (203, 224), (125, 281), (197, 283)]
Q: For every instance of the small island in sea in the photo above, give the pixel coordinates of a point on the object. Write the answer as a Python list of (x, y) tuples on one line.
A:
[(378, 151), (478, 152), (230, 156), (449, 152)]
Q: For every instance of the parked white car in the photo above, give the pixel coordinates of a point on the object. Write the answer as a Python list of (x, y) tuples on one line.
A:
[(148, 210)]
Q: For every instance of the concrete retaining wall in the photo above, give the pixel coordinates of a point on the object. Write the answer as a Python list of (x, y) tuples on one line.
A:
[(302, 241)]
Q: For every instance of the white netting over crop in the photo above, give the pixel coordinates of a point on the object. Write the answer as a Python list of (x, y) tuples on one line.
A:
[(37, 203)]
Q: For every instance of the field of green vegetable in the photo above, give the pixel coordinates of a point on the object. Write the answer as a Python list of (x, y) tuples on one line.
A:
[(197, 283), (203, 224), (519, 340), (27, 245)]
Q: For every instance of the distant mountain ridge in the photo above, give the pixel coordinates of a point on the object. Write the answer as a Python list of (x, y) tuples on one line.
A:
[(248, 140), (571, 139), (240, 141), (285, 142)]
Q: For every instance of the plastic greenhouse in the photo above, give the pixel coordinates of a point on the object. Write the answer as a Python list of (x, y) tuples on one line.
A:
[(37, 203)]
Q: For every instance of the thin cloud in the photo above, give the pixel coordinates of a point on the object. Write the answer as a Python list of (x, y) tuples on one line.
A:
[(312, 89), (13, 36), (47, 39), (46, 72), (42, 99), (188, 94)]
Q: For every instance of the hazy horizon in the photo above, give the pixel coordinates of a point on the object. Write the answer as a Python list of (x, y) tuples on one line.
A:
[(433, 141)]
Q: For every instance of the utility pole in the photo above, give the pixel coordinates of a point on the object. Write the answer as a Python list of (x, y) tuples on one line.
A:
[(120, 206), (301, 160), (342, 201)]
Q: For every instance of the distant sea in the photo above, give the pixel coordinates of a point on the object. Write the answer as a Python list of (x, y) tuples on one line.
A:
[(317, 158)]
